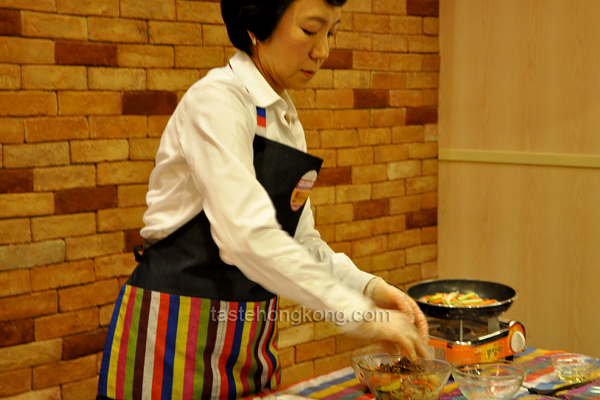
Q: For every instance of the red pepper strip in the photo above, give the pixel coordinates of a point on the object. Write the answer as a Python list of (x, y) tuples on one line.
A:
[(420, 381)]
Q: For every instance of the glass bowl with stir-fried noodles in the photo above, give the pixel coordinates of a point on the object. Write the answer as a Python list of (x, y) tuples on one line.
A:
[(399, 378)]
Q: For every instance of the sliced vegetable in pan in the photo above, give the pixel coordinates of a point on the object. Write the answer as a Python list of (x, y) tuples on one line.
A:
[(457, 299)]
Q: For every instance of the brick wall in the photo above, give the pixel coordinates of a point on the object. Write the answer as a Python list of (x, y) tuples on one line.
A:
[(86, 88)]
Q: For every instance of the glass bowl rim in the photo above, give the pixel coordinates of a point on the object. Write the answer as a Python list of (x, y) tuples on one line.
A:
[(520, 369), (584, 357)]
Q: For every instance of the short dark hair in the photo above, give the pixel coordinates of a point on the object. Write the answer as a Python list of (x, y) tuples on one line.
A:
[(257, 16)]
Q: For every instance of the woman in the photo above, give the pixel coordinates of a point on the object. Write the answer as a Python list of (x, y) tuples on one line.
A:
[(229, 226)]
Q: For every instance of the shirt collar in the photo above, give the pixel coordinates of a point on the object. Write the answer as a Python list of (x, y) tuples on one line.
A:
[(258, 87)]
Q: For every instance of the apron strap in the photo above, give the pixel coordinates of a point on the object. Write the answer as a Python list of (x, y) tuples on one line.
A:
[(136, 253)]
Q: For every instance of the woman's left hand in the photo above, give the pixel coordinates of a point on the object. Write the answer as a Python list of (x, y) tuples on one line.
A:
[(390, 297)]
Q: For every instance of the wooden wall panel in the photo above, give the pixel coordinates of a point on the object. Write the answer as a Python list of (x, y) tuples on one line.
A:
[(519, 150), (533, 228), (520, 75)]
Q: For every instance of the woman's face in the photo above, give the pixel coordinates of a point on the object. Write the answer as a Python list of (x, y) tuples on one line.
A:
[(295, 51)]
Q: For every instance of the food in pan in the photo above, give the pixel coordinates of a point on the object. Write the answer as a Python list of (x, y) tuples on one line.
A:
[(505, 296), (457, 299)]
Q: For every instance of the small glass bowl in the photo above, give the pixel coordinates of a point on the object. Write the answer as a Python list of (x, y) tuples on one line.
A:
[(499, 379), (572, 368)]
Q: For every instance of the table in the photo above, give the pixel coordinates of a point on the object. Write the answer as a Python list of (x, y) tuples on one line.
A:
[(343, 385)]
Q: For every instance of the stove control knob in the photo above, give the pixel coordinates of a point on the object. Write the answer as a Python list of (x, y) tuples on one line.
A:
[(517, 342)]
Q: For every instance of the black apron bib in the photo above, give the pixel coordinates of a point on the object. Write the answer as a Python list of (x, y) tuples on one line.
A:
[(187, 262)]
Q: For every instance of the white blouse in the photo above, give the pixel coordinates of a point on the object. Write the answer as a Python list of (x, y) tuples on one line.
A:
[(205, 162)]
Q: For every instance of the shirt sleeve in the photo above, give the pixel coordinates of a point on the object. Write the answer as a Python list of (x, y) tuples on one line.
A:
[(342, 266), (216, 125)]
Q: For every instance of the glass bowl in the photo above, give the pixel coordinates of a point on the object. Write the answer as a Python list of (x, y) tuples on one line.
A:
[(499, 379), (425, 385), (572, 368)]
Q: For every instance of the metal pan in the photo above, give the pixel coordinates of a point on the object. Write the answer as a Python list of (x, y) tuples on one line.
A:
[(504, 294)]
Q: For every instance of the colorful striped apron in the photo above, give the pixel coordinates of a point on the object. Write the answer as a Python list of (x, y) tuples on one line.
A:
[(164, 346), (188, 326)]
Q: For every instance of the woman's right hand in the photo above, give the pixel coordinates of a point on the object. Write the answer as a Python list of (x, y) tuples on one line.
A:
[(395, 331)]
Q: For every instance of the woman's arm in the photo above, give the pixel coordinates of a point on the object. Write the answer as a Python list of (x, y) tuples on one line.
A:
[(341, 265), (216, 125)]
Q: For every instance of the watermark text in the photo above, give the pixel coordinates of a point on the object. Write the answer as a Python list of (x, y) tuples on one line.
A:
[(300, 315)]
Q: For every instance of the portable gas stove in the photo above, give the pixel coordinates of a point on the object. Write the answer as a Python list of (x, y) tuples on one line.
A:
[(473, 333), (475, 340)]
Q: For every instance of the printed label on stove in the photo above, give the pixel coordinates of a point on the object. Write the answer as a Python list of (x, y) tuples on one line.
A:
[(490, 352)]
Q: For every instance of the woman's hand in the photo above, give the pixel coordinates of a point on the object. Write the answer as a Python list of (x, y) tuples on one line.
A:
[(394, 329), (390, 297), (401, 332), (407, 326)]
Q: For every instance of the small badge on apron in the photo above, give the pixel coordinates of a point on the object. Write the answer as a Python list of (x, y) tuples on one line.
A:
[(302, 190)]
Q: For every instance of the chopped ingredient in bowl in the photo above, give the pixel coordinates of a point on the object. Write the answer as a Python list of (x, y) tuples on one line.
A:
[(402, 366), (410, 384)]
